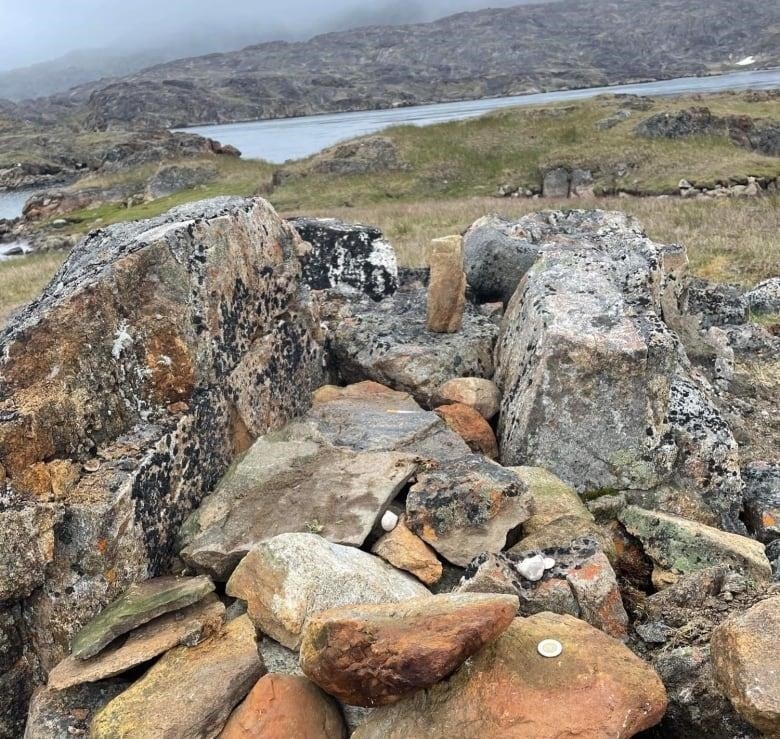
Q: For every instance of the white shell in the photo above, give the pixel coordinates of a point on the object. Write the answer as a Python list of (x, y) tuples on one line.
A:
[(532, 568), (549, 563), (549, 647), (389, 521)]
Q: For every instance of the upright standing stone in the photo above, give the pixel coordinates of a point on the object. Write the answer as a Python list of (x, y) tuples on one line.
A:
[(446, 286)]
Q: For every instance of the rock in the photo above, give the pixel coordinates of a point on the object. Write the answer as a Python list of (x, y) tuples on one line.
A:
[(497, 253), (446, 286), (26, 548), (762, 499), (744, 662), (187, 626), (278, 659), (199, 339), (171, 178), (555, 183), (471, 427), (389, 521), (716, 304), (347, 256), (467, 506), (406, 551), (597, 687), (291, 577), (63, 714), (189, 692), (773, 555), (477, 392), (371, 655), (581, 582), (291, 481), (371, 417), (388, 342), (139, 604), (285, 706), (764, 297), (571, 347), (682, 546), (582, 183)]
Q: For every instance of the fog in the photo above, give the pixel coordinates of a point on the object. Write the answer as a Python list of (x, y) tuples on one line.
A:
[(46, 29)]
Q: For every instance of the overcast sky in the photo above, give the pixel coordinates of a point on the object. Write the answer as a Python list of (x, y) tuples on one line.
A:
[(38, 30)]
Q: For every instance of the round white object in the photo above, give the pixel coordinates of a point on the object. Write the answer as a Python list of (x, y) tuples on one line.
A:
[(549, 563), (549, 647), (532, 568), (389, 521)]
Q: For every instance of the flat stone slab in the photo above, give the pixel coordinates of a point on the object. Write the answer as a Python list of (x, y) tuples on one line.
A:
[(187, 626), (467, 506), (190, 692), (681, 546), (373, 655), (140, 603), (292, 481), (291, 577)]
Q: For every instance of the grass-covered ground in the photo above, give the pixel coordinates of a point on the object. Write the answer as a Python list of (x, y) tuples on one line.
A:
[(451, 171)]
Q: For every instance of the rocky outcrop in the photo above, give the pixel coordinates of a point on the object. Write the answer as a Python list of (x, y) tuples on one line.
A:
[(596, 687), (347, 256), (158, 352)]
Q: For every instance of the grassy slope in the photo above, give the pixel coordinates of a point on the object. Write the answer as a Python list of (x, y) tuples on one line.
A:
[(454, 167)]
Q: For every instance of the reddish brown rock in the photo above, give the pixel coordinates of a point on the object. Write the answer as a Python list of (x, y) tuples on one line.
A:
[(595, 689), (375, 655), (285, 707), (446, 285), (406, 551), (471, 427)]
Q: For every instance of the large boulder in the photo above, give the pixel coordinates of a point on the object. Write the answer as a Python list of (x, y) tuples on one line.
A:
[(291, 577), (388, 342), (762, 499), (156, 354), (595, 688), (595, 385), (764, 297), (347, 256)]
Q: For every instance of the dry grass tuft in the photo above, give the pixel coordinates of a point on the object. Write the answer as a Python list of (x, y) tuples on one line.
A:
[(24, 277)]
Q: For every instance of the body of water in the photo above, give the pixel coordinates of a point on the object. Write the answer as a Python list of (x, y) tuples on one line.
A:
[(293, 138)]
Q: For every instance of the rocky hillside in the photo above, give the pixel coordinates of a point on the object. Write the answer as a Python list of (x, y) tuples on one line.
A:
[(256, 480), (574, 43)]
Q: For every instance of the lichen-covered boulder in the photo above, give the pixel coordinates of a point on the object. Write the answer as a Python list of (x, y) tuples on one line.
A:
[(764, 297), (388, 342), (347, 256), (762, 499), (155, 355)]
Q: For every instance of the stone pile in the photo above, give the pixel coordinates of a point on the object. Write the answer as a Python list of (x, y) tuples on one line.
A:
[(526, 530)]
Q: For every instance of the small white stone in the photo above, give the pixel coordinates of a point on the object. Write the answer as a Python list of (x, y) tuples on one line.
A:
[(549, 563), (389, 521), (549, 647), (532, 568)]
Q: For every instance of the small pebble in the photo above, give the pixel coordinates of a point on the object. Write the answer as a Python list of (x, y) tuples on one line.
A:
[(549, 647), (92, 465), (549, 563), (389, 521), (532, 568)]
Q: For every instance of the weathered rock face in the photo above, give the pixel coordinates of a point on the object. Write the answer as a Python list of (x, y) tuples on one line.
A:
[(291, 480), (347, 256), (744, 661), (154, 356), (478, 393), (376, 654), (471, 427), (764, 297), (172, 178), (681, 546), (285, 706), (190, 692), (388, 342), (289, 578), (407, 551), (595, 688), (762, 499), (467, 506)]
